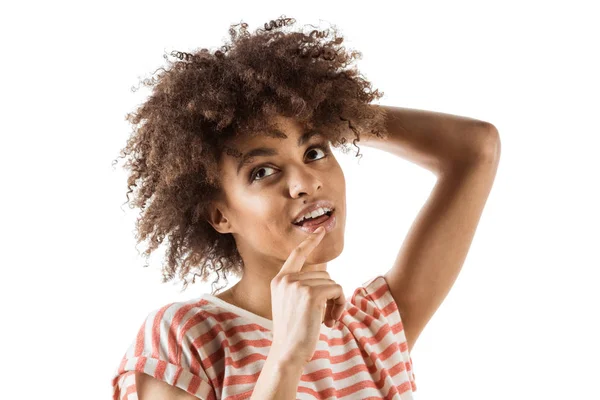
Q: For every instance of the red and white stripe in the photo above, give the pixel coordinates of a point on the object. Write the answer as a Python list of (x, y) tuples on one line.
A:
[(214, 350)]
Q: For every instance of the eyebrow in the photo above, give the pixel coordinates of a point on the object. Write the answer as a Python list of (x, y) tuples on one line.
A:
[(268, 151)]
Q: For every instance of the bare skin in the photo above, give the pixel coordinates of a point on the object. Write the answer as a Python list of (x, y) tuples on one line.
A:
[(260, 214), (300, 298), (434, 140)]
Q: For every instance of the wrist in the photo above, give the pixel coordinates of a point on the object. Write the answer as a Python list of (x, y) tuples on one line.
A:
[(283, 361)]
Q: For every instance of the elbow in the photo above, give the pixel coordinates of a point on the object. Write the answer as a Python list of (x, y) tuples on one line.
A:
[(488, 146)]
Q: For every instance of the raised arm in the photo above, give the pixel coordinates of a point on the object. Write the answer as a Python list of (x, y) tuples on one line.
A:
[(464, 154)]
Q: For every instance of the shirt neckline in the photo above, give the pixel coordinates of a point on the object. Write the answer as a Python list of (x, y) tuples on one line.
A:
[(255, 318)]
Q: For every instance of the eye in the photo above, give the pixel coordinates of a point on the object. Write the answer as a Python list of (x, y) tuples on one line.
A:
[(321, 147)]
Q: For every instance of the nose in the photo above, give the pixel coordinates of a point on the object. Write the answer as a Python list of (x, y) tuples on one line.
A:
[(304, 181)]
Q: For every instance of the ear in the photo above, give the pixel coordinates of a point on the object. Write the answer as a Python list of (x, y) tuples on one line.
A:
[(217, 219)]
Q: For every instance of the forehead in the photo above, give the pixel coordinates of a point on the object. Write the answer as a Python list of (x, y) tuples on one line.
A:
[(282, 131)]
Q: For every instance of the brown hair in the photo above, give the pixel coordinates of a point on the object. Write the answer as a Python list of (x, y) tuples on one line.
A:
[(205, 98)]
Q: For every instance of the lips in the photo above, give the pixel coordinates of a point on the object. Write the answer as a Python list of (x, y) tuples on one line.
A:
[(315, 221), (329, 223), (314, 206)]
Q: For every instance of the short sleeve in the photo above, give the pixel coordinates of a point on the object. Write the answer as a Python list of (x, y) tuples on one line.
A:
[(162, 350), (376, 299)]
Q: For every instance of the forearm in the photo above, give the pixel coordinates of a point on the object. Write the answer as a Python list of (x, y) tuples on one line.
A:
[(435, 141), (278, 379)]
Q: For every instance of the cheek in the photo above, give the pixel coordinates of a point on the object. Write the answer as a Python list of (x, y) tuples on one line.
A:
[(273, 237), (269, 224)]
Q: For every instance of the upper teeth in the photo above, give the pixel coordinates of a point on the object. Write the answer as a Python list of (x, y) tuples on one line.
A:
[(314, 214)]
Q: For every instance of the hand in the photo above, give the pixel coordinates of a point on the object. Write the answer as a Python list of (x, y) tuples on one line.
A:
[(300, 302)]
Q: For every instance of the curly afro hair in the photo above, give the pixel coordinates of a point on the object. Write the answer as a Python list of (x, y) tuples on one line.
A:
[(202, 100)]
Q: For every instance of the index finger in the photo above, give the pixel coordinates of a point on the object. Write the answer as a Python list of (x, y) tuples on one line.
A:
[(295, 261)]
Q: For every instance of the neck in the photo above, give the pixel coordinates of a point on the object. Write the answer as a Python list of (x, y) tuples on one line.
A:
[(253, 295), (253, 292)]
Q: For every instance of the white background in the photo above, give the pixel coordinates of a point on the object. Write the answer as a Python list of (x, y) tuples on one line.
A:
[(521, 321)]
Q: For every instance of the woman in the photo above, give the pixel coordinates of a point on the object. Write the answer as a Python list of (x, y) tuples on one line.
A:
[(235, 151)]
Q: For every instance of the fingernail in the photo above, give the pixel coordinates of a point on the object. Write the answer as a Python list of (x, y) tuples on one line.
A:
[(319, 229)]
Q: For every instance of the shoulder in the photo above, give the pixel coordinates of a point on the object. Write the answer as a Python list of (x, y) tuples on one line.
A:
[(373, 307), (170, 346), (374, 297), (178, 331)]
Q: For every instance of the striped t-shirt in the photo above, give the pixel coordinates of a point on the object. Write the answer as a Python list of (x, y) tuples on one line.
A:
[(215, 350)]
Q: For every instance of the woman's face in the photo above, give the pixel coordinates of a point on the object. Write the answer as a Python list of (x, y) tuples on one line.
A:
[(265, 195)]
